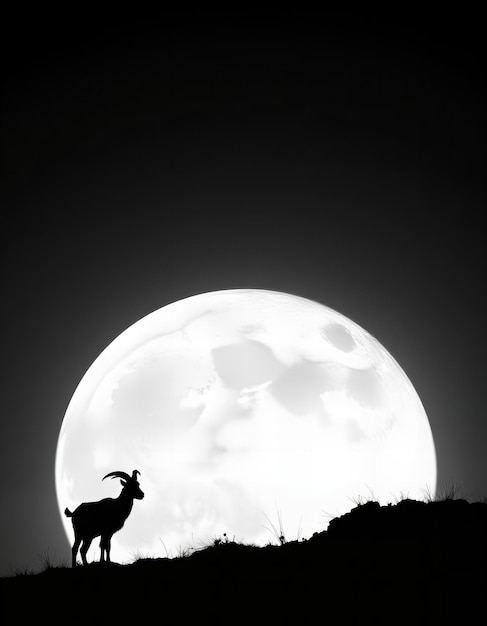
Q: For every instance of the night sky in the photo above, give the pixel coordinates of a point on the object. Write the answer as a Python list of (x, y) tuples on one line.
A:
[(144, 161)]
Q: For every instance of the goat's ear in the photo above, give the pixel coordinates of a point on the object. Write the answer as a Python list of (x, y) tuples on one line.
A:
[(123, 483)]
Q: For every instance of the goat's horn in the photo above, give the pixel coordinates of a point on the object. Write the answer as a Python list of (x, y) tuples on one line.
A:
[(123, 475), (134, 474)]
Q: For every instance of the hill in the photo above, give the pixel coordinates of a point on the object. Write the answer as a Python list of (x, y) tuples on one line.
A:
[(418, 561)]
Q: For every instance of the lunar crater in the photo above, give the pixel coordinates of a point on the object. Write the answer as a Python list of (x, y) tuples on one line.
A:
[(339, 336)]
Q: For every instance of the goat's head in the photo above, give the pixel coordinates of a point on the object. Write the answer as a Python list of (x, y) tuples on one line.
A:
[(129, 483)]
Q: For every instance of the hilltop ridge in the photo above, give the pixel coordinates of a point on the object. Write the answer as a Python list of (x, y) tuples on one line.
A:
[(425, 561)]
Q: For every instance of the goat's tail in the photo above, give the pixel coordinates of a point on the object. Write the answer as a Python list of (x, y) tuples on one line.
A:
[(67, 512)]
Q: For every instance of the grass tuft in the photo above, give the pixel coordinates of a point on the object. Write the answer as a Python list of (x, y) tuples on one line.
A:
[(277, 531), (48, 563), (451, 492), (444, 493)]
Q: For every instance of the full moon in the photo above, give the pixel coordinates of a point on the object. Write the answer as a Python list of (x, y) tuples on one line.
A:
[(242, 409)]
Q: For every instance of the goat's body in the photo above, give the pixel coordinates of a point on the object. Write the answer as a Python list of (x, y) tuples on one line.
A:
[(102, 519), (93, 519)]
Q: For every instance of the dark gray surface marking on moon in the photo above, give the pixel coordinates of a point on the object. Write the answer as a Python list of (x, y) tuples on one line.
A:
[(245, 364), (339, 336), (300, 386), (365, 387)]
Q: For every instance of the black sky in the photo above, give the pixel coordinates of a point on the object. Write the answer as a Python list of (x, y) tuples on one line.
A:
[(147, 160)]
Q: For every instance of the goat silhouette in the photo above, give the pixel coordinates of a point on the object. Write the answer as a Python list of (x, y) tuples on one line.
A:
[(103, 518)]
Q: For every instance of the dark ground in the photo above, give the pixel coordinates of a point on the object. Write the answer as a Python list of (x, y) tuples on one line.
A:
[(413, 562)]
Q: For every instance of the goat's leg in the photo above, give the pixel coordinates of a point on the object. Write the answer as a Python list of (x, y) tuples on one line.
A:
[(84, 549), (108, 547), (74, 550), (104, 550)]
